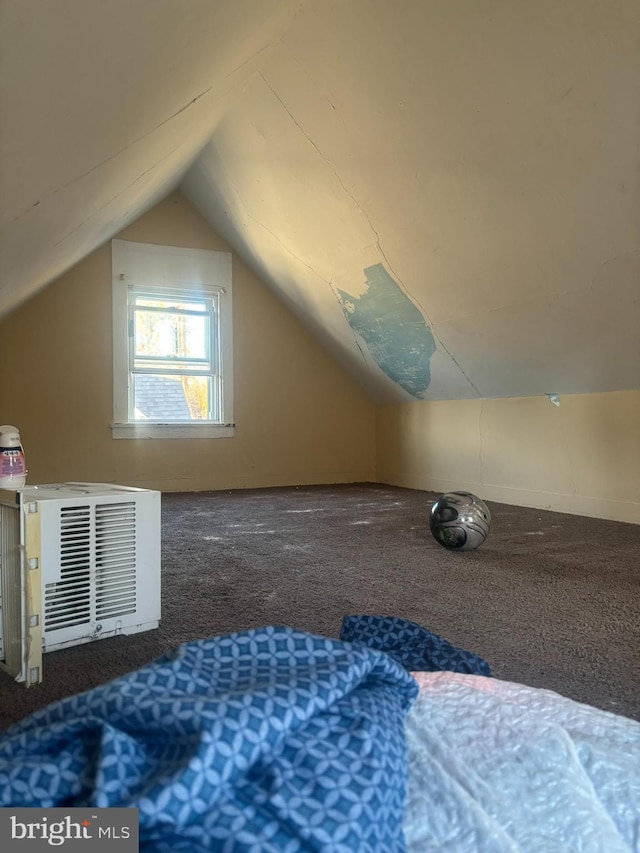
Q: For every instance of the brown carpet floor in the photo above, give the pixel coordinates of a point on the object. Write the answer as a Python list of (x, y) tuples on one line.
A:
[(550, 600)]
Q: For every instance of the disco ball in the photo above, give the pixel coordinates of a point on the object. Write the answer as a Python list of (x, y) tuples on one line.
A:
[(460, 521)]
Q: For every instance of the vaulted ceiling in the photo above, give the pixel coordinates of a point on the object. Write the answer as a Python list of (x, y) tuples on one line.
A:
[(445, 192)]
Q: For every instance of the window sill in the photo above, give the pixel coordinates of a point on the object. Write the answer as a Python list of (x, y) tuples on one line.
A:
[(147, 430)]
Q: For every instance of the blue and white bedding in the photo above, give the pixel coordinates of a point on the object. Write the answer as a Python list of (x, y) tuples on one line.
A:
[(266, 740), (277, 740), (415, 648)]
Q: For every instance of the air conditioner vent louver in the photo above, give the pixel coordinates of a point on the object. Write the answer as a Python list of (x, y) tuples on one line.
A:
[(78, 562), (115, 560), (68, 601)]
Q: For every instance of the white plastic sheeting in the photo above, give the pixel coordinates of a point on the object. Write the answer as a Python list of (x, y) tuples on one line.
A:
[(496, 767)]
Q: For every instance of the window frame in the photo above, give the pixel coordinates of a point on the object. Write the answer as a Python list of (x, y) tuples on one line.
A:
[(154, 270)]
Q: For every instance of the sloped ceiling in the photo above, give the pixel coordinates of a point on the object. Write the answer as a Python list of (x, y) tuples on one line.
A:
[(103, 106), (446, 192)]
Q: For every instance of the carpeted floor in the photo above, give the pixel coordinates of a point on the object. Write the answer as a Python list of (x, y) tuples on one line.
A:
[(550, 600)]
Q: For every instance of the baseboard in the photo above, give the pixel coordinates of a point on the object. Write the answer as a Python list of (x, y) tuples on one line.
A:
[(626, 511), (253, 481)]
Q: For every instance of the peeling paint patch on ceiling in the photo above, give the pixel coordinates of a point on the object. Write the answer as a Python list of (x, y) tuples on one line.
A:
[(393, 329)]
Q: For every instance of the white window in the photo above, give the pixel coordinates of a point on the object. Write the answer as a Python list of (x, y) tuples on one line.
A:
[(172, 342)]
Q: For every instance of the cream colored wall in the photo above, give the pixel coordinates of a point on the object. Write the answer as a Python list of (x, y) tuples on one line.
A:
[(582, 457), (299, 418)]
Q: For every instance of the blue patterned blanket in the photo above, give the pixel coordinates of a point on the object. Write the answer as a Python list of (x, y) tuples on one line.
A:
[(412, 646), (266, 740)]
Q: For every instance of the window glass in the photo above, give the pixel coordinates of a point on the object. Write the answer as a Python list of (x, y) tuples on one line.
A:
[(160, 334), (167, 398), (172, 341)]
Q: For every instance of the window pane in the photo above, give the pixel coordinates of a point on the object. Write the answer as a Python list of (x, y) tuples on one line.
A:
[(164, 334), (171, 398)]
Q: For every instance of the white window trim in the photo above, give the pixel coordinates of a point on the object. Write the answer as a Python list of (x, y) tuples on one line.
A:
[(146, 265), (140, 429)]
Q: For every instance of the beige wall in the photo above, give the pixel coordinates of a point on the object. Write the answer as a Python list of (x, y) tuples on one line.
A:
[(582, 457), (299, 418)]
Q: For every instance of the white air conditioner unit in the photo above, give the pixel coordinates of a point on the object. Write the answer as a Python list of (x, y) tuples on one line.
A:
[(78, 562)]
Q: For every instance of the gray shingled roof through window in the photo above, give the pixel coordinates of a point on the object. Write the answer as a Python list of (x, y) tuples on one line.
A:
[(160, 398)]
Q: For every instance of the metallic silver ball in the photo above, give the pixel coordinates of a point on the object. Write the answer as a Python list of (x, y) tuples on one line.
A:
[(460, 521)]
